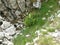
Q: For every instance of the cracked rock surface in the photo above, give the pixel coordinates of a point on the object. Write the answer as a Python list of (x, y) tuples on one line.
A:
[(7, 32)]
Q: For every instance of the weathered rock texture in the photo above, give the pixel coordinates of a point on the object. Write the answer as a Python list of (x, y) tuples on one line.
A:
[(11, 14), (15, 9)]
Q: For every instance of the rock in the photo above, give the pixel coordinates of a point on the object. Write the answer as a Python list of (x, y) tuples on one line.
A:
[(10, 43), (1, 6), (6, 42), (28, 3), (13, 3), (1, 35), (55, 34), (21, 5), (17, 12), (8, 37), (11, 30), (37, 4), (38, 32), (5, 25), (27, 35), (44, 18)]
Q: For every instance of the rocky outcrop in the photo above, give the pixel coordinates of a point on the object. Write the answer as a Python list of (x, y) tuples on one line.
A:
[(7, 32), (14, 9)]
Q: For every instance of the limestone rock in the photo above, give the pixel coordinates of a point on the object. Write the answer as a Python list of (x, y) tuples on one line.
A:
[(11, 30), (8, 37), (37, 4), (21, 5), (5, 25), (1, 35)]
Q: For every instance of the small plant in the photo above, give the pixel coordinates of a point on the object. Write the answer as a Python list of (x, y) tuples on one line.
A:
[(33, 19)]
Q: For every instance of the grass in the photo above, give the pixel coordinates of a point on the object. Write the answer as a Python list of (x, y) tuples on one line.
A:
[(46, 40), (34, 22)]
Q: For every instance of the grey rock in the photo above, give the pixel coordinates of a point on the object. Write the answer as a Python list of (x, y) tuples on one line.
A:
[(8, 36), (21, 5), (11, 30), (6, 42), (13, 3), (37, 4), (17, 12), (1, 35), (5, 25)]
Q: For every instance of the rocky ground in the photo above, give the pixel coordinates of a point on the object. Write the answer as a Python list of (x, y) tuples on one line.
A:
[(10, 25), (11, 18), (7, 32)]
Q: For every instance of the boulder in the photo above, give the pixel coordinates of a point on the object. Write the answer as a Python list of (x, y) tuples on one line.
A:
[(21, 4)]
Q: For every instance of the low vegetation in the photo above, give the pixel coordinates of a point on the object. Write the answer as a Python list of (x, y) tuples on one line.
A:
[(35, 21)]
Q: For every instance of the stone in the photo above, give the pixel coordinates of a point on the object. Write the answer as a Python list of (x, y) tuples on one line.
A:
[(21, 5), (37, 4), (10, 43), (5, 25), (6, 42), (17, 12), (1, 35), (11, 30), (44, 18), (27, 35), (28, 3), (13, 3), (8, 36), (38, 32), (1, 6)]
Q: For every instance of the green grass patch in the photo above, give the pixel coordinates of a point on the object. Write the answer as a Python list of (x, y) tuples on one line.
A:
[(34, 22)]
